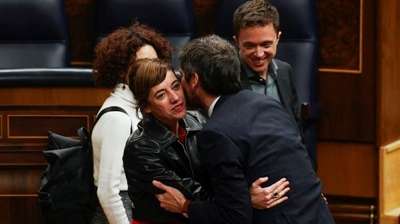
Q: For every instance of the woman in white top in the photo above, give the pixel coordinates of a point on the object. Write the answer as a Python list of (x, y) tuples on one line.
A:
[(113, 55)]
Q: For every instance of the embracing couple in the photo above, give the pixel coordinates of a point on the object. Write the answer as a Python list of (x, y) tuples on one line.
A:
[(203, 174)]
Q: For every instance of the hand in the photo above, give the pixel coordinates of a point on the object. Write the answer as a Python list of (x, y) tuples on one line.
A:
[(172, 200), (268, 197)]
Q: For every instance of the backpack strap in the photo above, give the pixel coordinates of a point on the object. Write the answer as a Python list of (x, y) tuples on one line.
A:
[(109, 109), (84, 134)]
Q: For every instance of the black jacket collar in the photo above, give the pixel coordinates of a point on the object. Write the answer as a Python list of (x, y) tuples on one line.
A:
[(151, 127)]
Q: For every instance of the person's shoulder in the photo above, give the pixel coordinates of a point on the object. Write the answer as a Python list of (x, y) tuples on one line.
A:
[(248, 95), (137, 134), (284, 68), (195, 117), (116, 109), (281, 64), (249, 99), (139, 141), (116, 119), (241, 102)]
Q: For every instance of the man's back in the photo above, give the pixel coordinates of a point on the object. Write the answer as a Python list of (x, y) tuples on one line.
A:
[(259, 138)]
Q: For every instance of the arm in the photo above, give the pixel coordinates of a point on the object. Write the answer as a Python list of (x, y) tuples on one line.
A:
[(145, 160), (115, 134), (261, 198)]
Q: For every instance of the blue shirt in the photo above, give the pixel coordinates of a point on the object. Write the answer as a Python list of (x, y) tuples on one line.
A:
[(259, 85)]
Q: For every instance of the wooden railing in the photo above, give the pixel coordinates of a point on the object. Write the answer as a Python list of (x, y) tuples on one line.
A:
[(389, 183)]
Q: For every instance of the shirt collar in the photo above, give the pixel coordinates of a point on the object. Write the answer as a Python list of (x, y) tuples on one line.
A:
[(122, 91), (211, 108), (272, 69)]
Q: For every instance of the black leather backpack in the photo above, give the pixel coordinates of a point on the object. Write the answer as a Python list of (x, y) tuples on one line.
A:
[(67, 193)]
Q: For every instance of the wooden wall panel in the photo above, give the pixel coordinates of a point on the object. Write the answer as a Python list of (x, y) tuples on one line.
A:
[(18, 195), (348, 101), (17, 156), (348, 169), (26, 126), (388, 109), (340, 35), (20, 210), (20, 181), (21, 159), (37, 126), (388, 72), (347, 93), (53, 96)]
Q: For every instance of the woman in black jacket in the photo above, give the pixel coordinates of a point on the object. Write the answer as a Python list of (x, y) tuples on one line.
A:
[(164, 147)]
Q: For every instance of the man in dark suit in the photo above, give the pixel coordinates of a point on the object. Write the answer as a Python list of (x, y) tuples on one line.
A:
[(246, 136), (256, 28)]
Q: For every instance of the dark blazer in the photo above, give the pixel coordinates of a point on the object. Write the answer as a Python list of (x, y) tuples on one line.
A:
[(287, 94), (249, 136), (286, 89)]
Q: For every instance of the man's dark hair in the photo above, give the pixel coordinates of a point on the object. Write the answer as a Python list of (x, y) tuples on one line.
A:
[(255, 13), (215, 61)]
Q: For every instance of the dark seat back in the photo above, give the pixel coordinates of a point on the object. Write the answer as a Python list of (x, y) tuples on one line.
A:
[(298, 46), (33, 34), (224, 17), (46, 77), (173, 18)]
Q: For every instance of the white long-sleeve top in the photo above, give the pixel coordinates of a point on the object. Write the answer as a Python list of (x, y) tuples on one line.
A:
[(109, 137)]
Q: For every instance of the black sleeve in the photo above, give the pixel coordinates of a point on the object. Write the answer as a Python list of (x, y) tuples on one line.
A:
[(144, 162)]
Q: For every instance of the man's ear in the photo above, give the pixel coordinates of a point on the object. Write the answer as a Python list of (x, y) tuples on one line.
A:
[(279, 36), (236, 40), (195, 80)]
